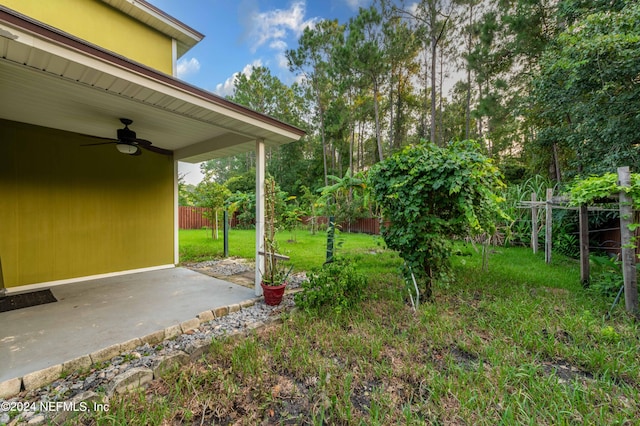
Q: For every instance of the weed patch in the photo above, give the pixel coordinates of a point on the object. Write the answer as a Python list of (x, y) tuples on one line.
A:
[(521, 343)]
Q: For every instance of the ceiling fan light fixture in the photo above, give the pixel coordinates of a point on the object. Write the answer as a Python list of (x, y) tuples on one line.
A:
[(125, 148)]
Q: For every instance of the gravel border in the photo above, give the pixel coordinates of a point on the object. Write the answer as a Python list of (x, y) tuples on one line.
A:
[(102, 379)]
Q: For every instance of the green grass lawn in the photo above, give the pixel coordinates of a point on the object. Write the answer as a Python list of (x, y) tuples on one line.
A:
[(306, 251), (521, 343)]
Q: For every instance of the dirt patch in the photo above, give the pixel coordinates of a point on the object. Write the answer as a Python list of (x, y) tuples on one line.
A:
[(233, 269), (566, 372), (238, 271)]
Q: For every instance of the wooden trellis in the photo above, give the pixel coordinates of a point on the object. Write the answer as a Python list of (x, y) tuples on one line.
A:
[(628, 250)]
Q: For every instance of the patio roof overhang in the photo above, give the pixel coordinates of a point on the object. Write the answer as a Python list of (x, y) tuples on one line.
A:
[(52, 79)]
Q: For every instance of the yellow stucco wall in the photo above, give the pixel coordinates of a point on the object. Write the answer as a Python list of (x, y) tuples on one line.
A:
[(69, 211), (103, 25)]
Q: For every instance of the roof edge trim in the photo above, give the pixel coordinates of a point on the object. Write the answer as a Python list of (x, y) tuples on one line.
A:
[(159, 15), (67, 40)]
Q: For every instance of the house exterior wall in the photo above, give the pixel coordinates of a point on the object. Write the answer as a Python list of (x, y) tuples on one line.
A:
[(68, 211), (103, 25)]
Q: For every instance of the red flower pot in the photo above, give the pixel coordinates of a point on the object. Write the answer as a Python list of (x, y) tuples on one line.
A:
[(273, 294)]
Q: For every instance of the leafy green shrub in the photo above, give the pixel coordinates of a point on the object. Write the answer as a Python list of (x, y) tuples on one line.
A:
[(337, 285), (606, 276), (567, 244), (430, 194)]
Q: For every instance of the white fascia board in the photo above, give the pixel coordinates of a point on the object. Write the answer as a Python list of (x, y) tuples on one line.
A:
[(260, 127)]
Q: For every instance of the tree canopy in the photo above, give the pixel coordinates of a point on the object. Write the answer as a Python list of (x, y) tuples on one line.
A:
[(588, 91), (545, 87)]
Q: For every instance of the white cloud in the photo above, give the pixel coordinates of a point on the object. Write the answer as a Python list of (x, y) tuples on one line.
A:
[(356, 4), (282, 60), (228, 87), (187, 67), (275, 25)]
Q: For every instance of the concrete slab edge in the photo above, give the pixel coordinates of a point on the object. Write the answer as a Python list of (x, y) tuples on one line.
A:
[(12, 387)]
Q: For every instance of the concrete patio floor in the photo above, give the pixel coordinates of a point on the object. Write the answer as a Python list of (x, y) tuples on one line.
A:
[(92, 315)]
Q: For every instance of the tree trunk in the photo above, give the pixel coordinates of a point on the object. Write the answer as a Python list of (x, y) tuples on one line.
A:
[(391, 117), (441, 120), (434, 60), (467, 129), (556, 163), (377, 118), (324, 144)]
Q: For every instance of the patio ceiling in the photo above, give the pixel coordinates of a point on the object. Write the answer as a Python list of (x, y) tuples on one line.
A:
[(51, 79)]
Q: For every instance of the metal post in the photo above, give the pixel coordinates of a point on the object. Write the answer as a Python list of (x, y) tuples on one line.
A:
[(331, 231), (628, 247), (534, 223)]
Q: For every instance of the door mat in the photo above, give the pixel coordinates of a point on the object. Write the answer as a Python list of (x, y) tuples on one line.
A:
[(25, 300)]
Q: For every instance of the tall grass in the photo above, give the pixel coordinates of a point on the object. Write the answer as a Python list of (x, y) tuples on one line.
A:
[(518, 229), (520, 343)]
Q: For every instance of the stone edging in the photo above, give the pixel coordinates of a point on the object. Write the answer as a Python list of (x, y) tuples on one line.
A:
[(38, 379)]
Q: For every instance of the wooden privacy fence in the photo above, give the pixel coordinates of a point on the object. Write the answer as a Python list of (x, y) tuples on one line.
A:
[(193, 218)]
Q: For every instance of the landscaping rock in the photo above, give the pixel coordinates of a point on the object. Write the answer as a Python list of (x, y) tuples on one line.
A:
[(205, 316), (135, 366), (43, 377), (80, 363), (190, 325), (153, 338), (221, 311), (130, 345), (172, 331), (105, 354), (37, 420), (197, 348), (10, 387), (164, 364), (129, 380), (247, 303), (234, 308), (88, 398)]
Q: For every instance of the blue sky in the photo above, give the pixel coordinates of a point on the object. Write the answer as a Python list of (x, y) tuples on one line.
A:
[(242, 33)]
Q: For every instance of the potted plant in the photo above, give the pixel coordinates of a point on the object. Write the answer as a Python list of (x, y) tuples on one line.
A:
[(274, 277)]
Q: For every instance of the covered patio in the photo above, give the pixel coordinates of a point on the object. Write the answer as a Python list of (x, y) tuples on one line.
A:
[(96, 226), (59, 93), (92, 315)]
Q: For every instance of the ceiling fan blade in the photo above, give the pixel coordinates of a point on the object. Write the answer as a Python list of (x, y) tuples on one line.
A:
[(99, 143), (142, 142), (157, 150)]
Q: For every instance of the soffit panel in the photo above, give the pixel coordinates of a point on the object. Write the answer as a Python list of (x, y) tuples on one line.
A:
[(46, 89)]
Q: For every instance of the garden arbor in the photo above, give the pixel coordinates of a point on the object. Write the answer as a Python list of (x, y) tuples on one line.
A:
[(622, 187)]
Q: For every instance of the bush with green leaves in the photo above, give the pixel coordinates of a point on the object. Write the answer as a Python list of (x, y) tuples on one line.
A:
[(337, 285), (606, 275), (431, 194), (594, 189)]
